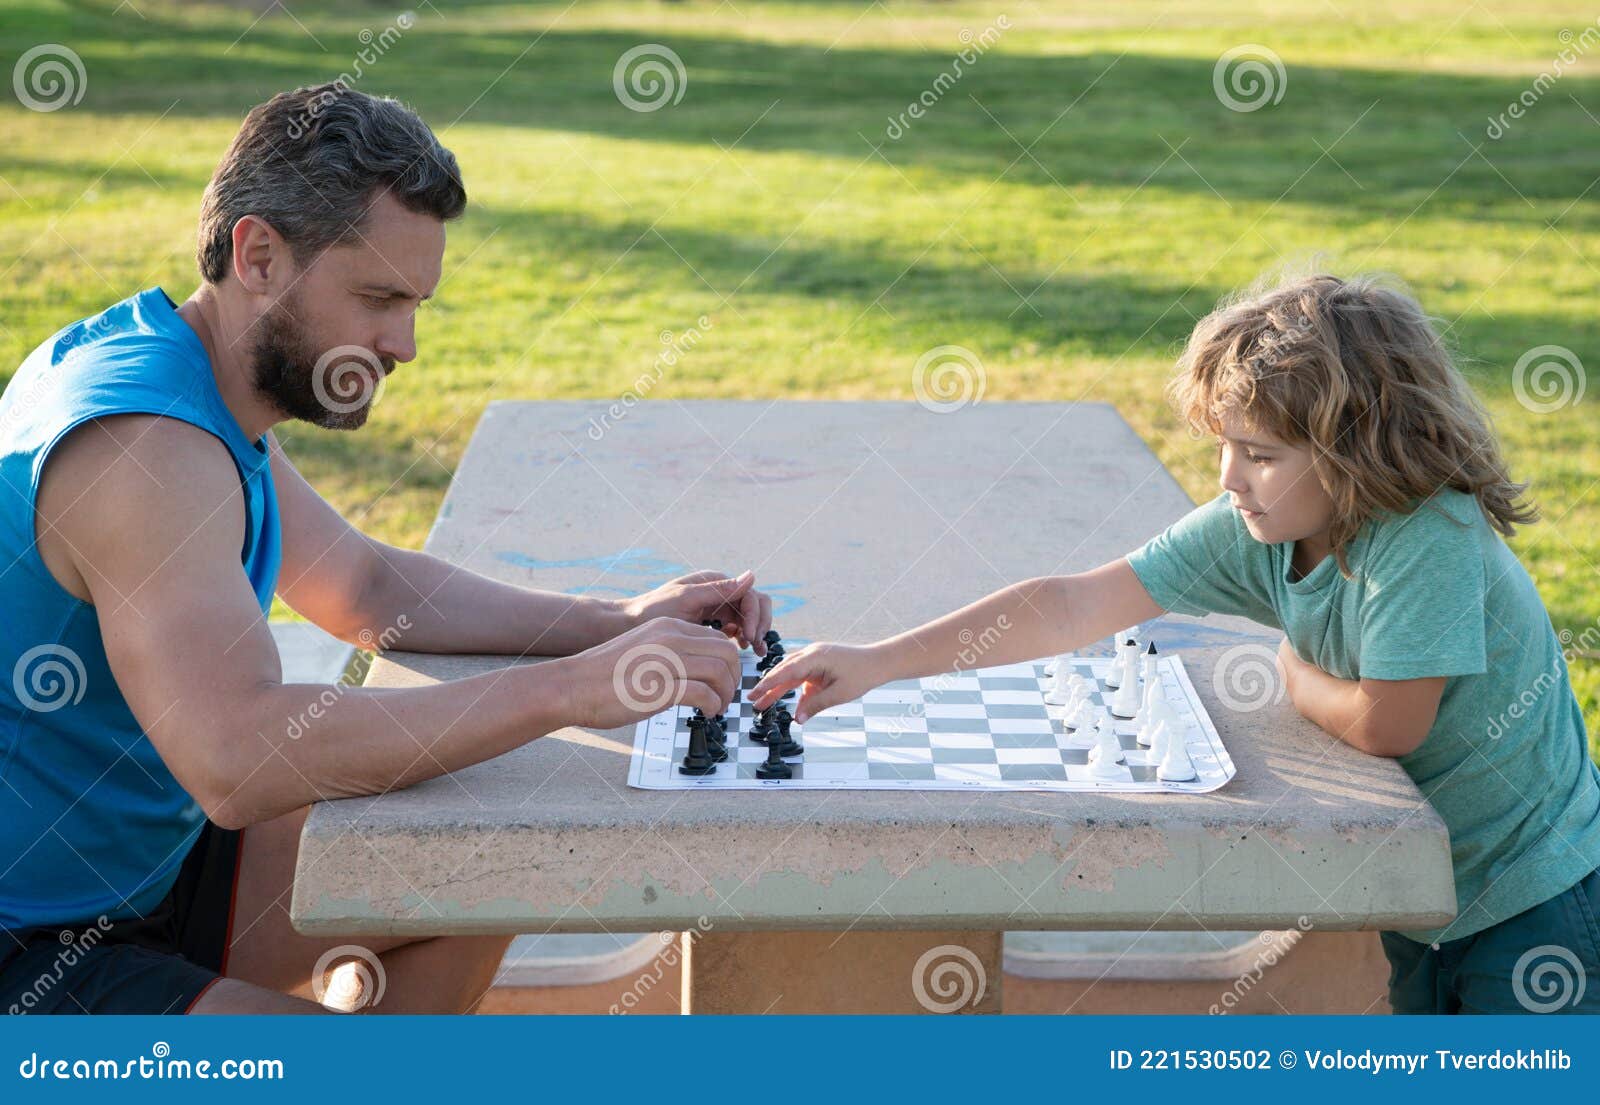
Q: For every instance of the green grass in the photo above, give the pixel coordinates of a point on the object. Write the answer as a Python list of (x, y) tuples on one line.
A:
[(1074, 270)]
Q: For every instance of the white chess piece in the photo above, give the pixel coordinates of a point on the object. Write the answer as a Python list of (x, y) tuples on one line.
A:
[(1060, 685), (1080, 723), (1107, 753), (1176, 766), (1160, 737), (1125, 668), (1125, 703), (1076, 696), (1148, 662), (1156, 710)]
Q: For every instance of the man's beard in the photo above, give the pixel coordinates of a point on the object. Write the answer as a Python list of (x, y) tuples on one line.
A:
[(332, 389)]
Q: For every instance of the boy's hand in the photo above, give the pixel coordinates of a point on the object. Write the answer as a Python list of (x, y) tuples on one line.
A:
[(745, 613), (828, 673), (1289, 666)]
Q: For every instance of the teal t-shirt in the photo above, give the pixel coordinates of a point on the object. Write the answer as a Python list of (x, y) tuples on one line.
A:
[(1435, 592)]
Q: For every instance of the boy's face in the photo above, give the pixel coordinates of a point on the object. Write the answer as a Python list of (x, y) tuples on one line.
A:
[(1272, 485)]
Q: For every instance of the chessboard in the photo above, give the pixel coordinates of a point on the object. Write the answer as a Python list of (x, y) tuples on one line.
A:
[(982, 729)]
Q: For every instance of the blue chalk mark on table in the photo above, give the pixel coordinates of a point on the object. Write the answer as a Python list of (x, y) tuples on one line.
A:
[(649, 569)]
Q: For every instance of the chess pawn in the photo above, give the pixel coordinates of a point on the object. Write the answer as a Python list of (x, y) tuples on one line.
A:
[(1156, 710), (1107, 753), (1078, 692), (1082, 715), (1060, 685), (1176, 766)]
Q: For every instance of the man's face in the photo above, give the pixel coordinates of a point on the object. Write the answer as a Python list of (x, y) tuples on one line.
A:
[(1273, 485), (345, 319)]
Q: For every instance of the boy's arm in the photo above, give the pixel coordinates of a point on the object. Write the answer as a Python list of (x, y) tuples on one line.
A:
[(1036, 617), (1381, 717)]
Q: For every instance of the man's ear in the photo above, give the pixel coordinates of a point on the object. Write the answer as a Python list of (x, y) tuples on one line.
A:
[(260, 255)]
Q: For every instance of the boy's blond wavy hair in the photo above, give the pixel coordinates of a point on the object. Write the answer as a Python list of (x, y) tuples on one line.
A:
[(1356, 371)]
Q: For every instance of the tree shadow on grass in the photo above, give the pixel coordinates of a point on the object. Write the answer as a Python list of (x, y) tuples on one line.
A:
[(1376, 141)]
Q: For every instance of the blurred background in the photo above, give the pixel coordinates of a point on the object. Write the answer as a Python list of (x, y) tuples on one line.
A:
[(823, 192)]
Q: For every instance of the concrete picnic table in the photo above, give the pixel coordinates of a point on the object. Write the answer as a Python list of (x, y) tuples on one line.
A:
[(860, 518)]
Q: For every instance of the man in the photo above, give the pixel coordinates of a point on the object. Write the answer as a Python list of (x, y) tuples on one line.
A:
[(157, 770)]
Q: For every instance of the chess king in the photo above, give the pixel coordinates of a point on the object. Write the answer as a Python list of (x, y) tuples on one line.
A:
[(157, 765), (1363, 509)]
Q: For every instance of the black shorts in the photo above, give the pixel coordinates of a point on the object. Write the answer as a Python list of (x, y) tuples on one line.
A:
[(160, 963)]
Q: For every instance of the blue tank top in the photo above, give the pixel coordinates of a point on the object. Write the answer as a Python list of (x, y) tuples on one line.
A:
[(91, 821)]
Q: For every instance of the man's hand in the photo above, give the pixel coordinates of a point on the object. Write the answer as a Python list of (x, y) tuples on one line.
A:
[(745, 613), (637, 674), (829, 673)]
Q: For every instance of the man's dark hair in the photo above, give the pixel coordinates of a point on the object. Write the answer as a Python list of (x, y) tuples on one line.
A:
[(312, 161)]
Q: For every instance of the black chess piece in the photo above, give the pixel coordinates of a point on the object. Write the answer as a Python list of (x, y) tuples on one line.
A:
[(774, 655), (698, 760), (766, 727), (773, 766), (717, 738), (788, 747)]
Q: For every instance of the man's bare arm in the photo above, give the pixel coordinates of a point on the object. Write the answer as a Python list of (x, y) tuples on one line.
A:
[(374, 595), (377, 596), (153, 516)]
